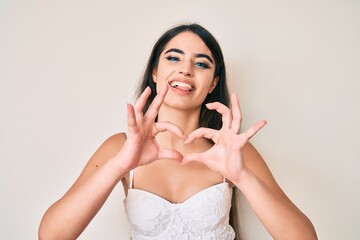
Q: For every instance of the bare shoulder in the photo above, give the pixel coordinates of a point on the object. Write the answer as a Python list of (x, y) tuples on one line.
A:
[(255, 162), (107, 150)]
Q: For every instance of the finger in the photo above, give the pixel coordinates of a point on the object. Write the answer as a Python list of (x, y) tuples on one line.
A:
[(168, 126), (140, 103), (236, 114), (191, 157), (132, 125), (199, 133), (254, 129), (204, 158), (170, 154), (223, 110), (156, 103)]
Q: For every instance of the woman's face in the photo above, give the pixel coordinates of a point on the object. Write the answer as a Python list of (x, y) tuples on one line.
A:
[(187, 66)]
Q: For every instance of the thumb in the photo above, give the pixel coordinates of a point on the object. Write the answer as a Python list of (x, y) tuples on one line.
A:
[(191, 157), (170, 154)]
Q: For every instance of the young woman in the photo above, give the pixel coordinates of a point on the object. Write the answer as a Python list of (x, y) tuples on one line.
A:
[(182, 156)]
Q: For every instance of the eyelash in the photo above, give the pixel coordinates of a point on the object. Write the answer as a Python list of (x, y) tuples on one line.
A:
[(199, 64), (202, 65), (173, 59)]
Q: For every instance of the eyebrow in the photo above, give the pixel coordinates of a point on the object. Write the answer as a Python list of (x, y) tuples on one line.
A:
[(199, 55)]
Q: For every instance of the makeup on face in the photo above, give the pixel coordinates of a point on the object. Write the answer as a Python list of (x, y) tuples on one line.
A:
[(187, 66), (203, 65)]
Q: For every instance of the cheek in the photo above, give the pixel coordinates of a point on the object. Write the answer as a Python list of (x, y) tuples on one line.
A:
[(208, 81), (163, 71), (204, 91), (162, 78)]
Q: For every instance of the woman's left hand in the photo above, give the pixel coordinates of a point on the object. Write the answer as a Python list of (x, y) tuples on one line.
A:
[(226, 156)]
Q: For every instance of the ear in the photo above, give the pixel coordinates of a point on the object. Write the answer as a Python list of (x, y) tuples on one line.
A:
[(213, 84), (154, 75)]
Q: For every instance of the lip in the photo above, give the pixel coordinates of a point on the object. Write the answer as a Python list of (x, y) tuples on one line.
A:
[(179, 90)]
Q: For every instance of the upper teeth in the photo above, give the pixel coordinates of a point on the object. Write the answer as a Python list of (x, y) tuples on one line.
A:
[(181, 84)]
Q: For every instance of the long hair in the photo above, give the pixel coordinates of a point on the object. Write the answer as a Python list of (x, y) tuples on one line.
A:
[(208, 118)]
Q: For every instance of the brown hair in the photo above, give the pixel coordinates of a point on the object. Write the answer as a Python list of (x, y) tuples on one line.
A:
[(234, 213)]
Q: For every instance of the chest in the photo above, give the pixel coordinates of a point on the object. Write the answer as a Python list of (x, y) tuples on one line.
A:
[(172, 181)]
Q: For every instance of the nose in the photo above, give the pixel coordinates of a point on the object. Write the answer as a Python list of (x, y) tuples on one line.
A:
[(186, 69)]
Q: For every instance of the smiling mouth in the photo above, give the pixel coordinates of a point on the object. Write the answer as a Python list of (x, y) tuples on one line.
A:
[(182, 86)]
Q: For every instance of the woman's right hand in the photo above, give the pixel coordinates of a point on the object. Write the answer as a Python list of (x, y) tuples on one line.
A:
[(141, 147)]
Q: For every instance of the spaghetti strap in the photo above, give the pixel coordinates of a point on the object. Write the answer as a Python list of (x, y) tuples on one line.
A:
[(224, 179), (131, 178)]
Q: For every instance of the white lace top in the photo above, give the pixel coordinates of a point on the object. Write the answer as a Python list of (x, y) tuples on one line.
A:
[(205, 215)]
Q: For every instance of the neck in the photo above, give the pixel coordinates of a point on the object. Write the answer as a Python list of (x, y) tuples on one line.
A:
[(186, 120)]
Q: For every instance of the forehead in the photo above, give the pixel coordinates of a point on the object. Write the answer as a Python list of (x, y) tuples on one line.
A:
[(188, 42)]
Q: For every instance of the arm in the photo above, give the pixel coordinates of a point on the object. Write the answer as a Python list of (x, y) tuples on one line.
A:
[(69, 216), (281, 218), (235, 158)]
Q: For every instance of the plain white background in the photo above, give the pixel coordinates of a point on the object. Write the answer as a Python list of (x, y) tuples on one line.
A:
[(67, 69)]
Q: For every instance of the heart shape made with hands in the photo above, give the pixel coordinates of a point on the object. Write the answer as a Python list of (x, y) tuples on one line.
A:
[(228, 141)]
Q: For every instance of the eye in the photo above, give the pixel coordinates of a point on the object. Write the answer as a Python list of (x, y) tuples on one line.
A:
[(202, 65), (172, 59)]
